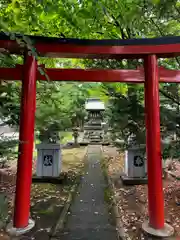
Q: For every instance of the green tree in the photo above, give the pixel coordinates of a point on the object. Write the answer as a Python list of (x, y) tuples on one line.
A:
[(122, 19)]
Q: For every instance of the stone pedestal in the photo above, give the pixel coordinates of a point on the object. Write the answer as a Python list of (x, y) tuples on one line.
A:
[(151, 232), (135, 166), (93, 131), (15, 232), (48, 160)]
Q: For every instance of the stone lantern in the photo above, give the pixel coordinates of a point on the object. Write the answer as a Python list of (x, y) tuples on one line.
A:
[(49, 155), (135, 166), (75, 135)]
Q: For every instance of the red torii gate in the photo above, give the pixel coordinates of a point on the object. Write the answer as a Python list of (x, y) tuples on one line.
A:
[(148, 49)]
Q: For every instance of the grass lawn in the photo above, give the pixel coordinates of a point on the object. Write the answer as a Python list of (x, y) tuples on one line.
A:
[(66, 136)]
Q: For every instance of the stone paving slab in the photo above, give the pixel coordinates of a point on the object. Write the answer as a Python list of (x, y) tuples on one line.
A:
[(89, 217)]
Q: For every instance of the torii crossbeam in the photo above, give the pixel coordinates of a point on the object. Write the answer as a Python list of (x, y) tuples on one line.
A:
[(92, 75)]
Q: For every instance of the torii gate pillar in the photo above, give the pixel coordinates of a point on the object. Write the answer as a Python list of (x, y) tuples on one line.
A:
[(156, 225), (22, 223)]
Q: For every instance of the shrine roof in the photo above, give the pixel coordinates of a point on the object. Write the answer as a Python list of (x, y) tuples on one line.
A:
[(94, 104)]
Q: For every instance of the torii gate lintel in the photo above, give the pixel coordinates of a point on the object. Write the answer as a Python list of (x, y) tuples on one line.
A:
[(92, 75)]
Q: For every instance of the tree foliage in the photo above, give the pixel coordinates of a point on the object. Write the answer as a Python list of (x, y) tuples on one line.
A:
[(61, 104)]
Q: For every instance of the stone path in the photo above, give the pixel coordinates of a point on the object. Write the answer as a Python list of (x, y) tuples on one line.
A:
[(89, 218)]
